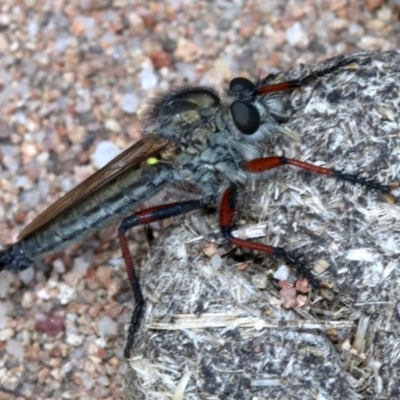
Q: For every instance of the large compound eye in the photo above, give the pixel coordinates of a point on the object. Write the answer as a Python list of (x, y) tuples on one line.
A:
[(245, 116), (240, 85)]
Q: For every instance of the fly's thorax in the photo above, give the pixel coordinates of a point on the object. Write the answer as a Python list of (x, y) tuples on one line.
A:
[(212, 165), (178, 114)]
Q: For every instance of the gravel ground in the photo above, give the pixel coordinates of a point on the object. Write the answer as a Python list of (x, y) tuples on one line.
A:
[(74, 76)]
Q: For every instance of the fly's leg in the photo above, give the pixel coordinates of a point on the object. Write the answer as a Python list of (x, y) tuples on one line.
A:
[(145, 217), (326, 71), (227, 213), (297, 83), (265, 164), (148, 232)]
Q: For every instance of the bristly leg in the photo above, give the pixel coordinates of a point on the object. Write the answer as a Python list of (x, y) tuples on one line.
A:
[(227, 213), (264, 164), (265, 88), (326, 71), (145, 217)]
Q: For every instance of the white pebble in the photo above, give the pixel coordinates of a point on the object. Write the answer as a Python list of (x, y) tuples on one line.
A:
[(73, 339), (66, 293), (259, 281), (43, 294), (3, 314), (148, 79), (90, 27), (59, 266), (87, 380), (282, 273), (32, 197), (103, 381), (106, 327), (6, 279), (105, 152), (112, 125), (129, 103), (6, 334), (33, 28), (27, 275), (295, 34), (5, 19), (83, 106), (15, 349), (23, 182), (187, 70), (10, 163), (61, 44), (216, 261)]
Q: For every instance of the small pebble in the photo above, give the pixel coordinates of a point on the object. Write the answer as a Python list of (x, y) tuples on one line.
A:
[(27, 275), (259, 281), (129, 103), (295, 34), (148, 79), (15, 349), (282, 273), (49, 323), (105, 152), (106, 327), (6, 334), (216, 261), (3, 314), (6, 278)]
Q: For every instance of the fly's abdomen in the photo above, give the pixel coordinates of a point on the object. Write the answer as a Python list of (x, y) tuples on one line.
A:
[(110, 202)]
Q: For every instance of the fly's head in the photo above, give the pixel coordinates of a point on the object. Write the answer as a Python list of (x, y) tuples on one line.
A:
[(210, 137), (195, 118), (248, 116), (251, 113)]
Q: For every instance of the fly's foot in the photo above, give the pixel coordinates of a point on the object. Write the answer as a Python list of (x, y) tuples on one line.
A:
[(369, 184), (305, 271), (302, 269)]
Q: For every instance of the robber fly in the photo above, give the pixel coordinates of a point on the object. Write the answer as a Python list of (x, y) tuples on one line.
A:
[(191, 136)]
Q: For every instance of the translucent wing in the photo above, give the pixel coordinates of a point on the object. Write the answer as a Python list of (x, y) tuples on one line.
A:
[(145, 148)]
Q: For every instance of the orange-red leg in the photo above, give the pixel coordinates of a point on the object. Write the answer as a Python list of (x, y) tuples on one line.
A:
[(226, 222), (267, 163)]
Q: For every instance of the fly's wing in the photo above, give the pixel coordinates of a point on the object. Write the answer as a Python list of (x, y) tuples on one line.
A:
[(145, 148)]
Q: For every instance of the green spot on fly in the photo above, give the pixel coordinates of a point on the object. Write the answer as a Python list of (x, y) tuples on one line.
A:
[(152, 160)]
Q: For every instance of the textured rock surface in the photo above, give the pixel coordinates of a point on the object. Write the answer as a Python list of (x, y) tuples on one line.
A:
[(210, 333)]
